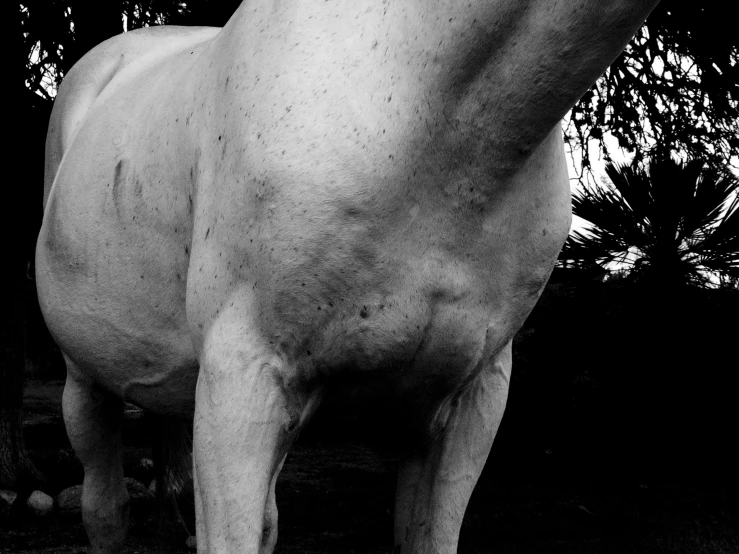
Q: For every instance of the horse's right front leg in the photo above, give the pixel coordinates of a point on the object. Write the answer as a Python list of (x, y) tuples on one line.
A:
[(247, 413)]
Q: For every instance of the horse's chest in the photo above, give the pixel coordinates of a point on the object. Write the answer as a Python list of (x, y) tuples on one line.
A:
[(382, 267), (423, 304)]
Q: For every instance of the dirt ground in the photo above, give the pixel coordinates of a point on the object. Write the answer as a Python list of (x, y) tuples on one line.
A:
[(338, 498)]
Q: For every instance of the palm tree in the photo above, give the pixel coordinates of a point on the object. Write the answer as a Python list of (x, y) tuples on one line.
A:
[(671, 224)]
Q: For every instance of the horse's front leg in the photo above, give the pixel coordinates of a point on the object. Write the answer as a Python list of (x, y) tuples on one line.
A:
[(248, 411), (435, 483)]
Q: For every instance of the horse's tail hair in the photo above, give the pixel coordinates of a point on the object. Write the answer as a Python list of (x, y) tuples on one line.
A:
[(172, 453)]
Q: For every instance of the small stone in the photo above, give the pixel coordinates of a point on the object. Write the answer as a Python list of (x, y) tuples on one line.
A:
[(8, 497), (146, 464), (192, 542), (69, 501), (40, 503), (141, 500), (6, 501), (153, 486), (137, 490)]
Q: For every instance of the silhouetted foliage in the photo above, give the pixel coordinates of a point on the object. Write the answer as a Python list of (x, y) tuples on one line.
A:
[(671, 223), (56, 33), (674, 89), (46, 32)]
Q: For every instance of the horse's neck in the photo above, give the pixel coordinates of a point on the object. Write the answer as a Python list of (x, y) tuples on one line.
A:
[(490, 76)]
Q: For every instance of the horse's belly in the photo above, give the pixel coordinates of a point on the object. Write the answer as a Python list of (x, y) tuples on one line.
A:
[(113, 297), (129, 340), (117, 337)]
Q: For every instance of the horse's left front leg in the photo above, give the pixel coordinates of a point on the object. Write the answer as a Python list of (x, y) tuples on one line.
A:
[(435, 484), (247, 413)]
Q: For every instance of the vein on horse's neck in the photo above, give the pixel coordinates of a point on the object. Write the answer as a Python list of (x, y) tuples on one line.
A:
[(487, 80)]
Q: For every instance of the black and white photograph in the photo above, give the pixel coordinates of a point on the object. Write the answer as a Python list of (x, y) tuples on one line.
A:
[(370, 277)]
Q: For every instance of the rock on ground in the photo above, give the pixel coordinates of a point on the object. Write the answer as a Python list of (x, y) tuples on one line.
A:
[(142, 500), (137, 490), (6, 501), (69, 501), (40, 503)]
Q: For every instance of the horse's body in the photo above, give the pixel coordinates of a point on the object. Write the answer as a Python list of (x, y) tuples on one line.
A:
[(363, 192)]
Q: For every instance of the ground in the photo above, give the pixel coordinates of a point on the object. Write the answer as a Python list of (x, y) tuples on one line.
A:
[(338, 498)]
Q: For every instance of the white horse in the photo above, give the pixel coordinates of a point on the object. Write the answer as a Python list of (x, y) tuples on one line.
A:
[(366, 191)]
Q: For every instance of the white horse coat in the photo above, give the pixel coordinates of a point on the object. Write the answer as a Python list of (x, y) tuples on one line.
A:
[(368, 191)]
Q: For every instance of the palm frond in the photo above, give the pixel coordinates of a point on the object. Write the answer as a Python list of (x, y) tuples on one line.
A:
[(713, 191), (673, 221)]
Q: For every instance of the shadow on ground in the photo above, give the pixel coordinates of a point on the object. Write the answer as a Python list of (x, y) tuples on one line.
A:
[(339, 499)]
